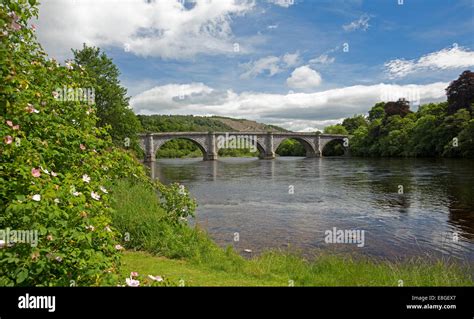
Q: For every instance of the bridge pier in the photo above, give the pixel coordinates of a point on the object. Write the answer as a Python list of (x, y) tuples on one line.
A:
[(149, 149), (211, 153), (269, 153), (210, 157), (268, 156)]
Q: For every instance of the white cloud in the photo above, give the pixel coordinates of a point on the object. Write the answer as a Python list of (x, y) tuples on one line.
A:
[(306, 125), (283, 3), (322, 59), (361, 24), (304, 78), (298, 111), (270, 65), (291, 59), (161, 28), (449, 58)]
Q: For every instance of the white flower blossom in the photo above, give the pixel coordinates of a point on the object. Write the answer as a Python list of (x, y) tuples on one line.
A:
[(95, 196), (155, 278), (132, 282)]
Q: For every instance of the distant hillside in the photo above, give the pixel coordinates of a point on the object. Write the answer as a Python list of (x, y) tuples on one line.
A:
[(191, 123), (242, 125)]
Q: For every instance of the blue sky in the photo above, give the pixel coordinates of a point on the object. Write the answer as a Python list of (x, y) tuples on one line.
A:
[(300, 64)]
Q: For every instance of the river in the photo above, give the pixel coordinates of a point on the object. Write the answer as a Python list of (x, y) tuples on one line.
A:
[(405, 207)]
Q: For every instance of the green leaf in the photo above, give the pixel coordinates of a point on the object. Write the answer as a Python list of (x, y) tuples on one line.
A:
[(22, 275)]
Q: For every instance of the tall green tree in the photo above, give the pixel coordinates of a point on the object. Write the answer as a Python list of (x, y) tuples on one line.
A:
[(400, 107), (461, 93), (351, 124), (377, 111), (111, 98)]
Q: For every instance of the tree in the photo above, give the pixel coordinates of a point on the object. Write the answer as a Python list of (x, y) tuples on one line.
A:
[(451, 127), (335, 129), (461, 93), (377, 111), (359, 143), (334, 148), (466, 140), (110, 97), (353, 123), (423, 140), (291, 147), (400, 107)]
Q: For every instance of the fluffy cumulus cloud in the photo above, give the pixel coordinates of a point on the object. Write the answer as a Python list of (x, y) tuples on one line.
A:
[(304, 78), (161, 28), (296, 111), (360, 24), (269, 65), (454, 57)]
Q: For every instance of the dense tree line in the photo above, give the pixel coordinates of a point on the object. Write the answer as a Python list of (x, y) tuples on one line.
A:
[(436, 129), (181, 123)]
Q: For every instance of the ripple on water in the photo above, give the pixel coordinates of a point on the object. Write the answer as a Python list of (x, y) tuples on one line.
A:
[(251, 197)]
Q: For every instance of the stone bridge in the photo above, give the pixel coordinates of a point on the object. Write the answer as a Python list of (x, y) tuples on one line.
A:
[(265, 142)]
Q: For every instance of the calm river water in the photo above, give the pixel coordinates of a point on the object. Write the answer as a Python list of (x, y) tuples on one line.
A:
[(433, 217)]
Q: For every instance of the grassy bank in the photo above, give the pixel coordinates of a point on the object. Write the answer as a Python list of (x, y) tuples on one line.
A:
[(178, 252), (281, 269)]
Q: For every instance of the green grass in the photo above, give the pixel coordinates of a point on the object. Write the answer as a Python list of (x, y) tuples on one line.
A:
[(278, 269), (180, 252)]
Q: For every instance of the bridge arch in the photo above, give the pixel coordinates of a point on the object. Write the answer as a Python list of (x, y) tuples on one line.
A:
[(310, 150), (158, 143), (245, 139), (329, 147)]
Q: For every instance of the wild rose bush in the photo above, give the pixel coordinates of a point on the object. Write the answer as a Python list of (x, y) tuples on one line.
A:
[(55, 165)]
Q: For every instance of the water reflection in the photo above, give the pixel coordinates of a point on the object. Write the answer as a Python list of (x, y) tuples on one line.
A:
[(433, 216)]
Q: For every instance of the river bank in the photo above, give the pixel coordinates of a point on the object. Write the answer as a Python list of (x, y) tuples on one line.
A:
[(187, 256)]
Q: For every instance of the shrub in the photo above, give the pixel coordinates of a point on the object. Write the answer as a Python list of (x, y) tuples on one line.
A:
[(55, 164)]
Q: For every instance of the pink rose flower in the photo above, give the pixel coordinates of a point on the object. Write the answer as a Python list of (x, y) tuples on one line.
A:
[(35, 172)]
